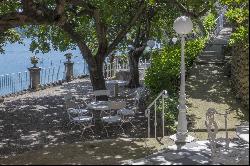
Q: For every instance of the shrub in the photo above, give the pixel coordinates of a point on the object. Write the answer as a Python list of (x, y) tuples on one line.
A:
[(165, 68), (209, 22)]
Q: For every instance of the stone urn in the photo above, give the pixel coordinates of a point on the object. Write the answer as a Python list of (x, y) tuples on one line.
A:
[(34, 61), (68, 56)]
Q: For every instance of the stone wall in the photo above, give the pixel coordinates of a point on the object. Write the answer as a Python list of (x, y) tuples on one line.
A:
[(240, 73)]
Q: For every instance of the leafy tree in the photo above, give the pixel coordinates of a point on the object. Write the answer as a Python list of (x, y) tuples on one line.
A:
[(95, 26), (157, 25)]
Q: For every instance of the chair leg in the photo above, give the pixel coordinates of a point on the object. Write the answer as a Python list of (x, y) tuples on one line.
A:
[(104, 127), (84, 128), (91, 130), (132, 124), (122, 128), (74, 125), (106, 131)]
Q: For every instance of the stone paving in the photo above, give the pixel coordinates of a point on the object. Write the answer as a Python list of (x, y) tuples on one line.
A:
[(194, 153)]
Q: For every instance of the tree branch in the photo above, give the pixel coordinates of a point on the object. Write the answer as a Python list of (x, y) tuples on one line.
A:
[(69, 28), (124, 31)]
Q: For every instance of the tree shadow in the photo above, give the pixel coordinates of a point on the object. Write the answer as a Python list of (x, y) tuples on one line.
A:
[(108, 152), (39, 120)]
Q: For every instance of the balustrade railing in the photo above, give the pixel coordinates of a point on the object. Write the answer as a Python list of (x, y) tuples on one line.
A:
[(219, 23), (17, 82), (110, 69)]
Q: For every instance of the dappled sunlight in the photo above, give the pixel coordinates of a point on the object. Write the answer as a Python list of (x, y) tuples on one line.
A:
[(95, 152), (38, 120)]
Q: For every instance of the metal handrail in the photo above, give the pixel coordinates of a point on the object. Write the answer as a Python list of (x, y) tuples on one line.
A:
[(162, 95), (162, 92)]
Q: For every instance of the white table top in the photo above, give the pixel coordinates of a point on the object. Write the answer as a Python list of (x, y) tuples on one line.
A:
[(243, 132), (116, 81), (98, 105)]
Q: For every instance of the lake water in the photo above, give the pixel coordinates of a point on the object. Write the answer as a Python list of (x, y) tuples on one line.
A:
[(17, 58), (14, 64)]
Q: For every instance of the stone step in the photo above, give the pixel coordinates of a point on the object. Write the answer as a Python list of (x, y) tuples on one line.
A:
[(219, 62)]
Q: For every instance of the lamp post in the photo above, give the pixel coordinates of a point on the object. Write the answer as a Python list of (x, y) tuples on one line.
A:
[(151, 44), (182, 25)]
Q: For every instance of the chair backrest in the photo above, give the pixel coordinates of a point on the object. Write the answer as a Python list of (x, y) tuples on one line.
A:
[(102, 92), (116, 105), (138, 93)]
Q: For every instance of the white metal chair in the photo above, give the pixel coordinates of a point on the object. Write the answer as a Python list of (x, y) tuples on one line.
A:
[(101, 93), (127, 115), (109, 120), (137, 97), (78, 116), (74, 107), (222, 150)]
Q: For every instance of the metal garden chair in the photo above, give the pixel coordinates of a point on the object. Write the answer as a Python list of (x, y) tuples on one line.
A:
[(222, 150), (109, 120), (78, 116)]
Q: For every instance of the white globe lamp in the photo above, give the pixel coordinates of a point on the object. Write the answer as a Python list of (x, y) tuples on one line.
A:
[(174, 40), (183, 25)]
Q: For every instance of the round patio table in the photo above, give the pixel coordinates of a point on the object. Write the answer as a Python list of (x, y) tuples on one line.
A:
[(116, 85), (98, 106)]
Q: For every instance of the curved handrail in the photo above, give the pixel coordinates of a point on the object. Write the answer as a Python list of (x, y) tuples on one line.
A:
[(162, 95), (164, 92)]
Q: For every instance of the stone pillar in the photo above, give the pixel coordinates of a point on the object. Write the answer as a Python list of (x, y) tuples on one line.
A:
[(69, 70), (34, 78)]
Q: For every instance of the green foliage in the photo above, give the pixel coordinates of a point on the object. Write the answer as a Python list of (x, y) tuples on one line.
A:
[(10, 36), (8, 6), (171, 112), (44, 37), (238, 15), (165, 68), (209, 22), (240, 35)]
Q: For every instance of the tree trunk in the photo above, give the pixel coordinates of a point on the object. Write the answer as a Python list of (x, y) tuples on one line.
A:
[(134, 70), (97, 78), (202, 28)]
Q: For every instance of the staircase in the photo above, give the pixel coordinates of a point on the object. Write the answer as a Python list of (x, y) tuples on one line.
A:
[(213, 53)]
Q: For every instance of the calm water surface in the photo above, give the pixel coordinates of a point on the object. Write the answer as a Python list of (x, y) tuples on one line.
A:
[(17, 58)]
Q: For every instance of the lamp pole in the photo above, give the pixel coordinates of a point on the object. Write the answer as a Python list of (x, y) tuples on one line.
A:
[(151, 44), (182, 25), (182, 120)]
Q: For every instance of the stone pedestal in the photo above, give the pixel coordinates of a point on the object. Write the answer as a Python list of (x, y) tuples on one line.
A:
[(69, 71), (34, 78)]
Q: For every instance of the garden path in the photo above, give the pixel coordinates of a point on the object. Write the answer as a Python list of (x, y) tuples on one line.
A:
[(208, 86)]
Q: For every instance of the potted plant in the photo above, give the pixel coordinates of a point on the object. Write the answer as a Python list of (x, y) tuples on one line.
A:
[(34, 60), (68, 56)]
